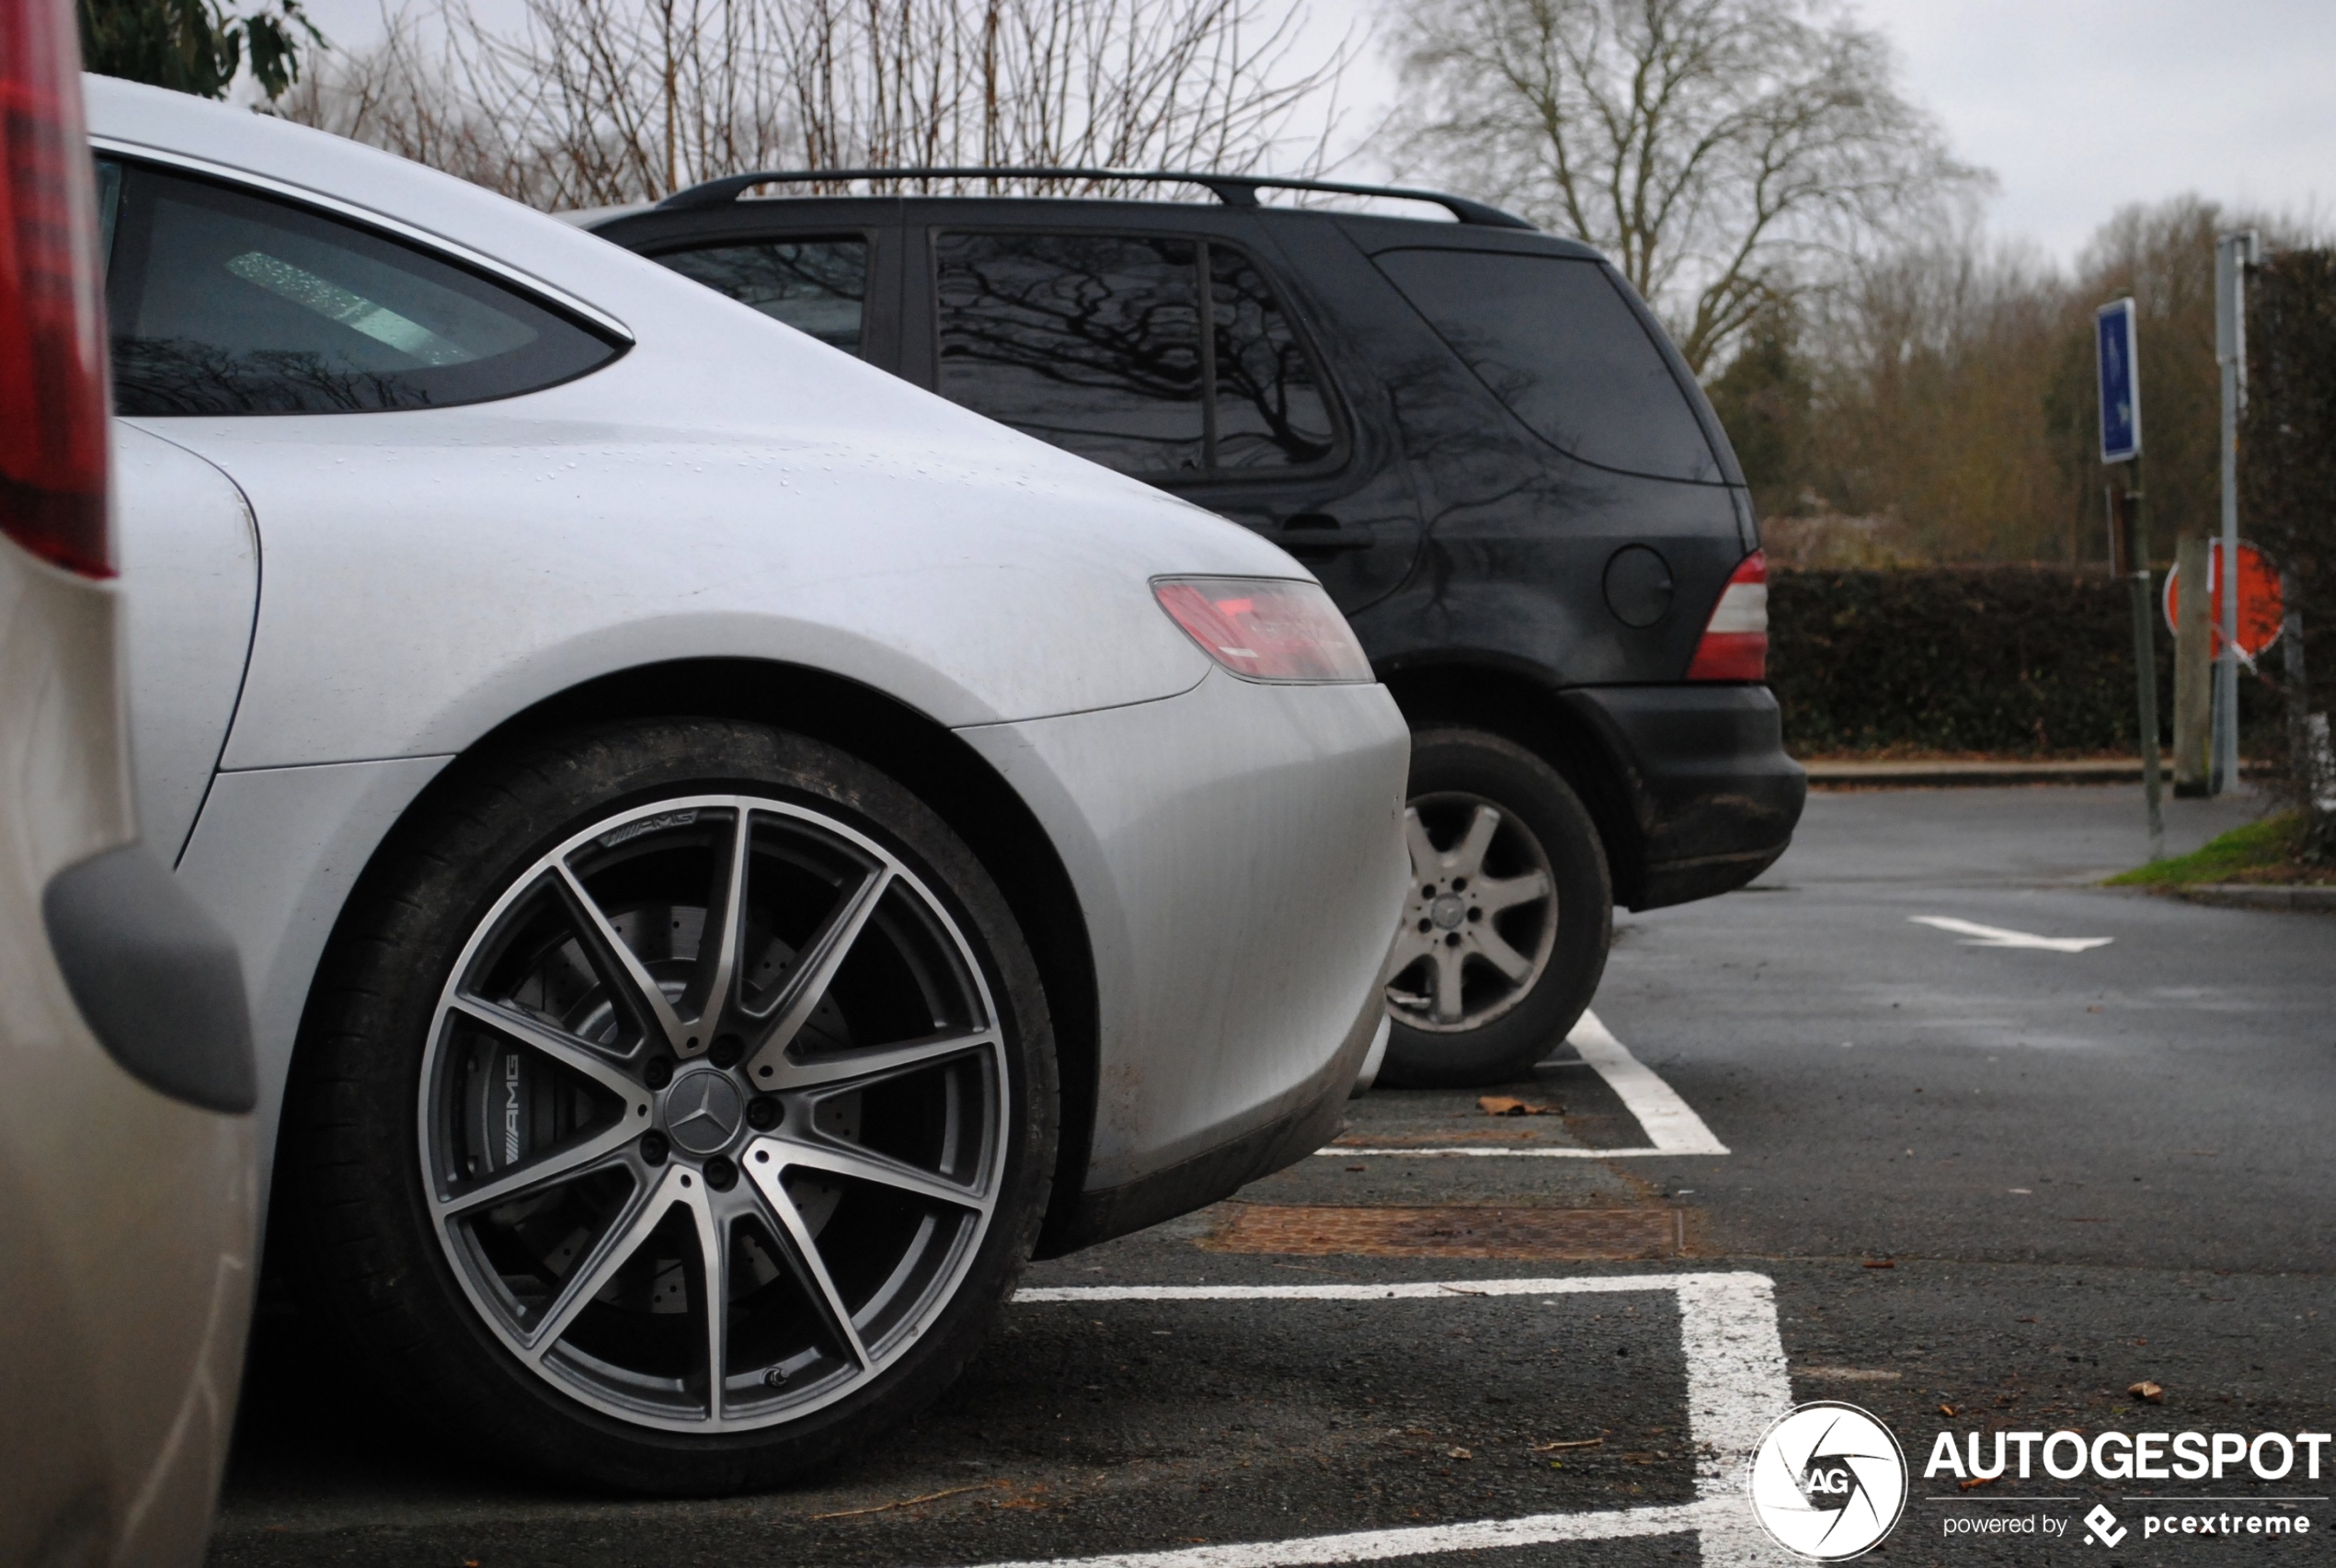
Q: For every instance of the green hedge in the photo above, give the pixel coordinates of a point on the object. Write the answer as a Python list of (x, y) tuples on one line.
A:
[(2027, 661)]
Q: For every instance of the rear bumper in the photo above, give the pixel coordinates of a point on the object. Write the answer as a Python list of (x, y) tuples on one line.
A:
[(1238, 856), (1705, 780), (1314, 1113)]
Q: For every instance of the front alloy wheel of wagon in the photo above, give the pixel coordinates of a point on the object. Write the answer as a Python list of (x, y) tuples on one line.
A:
[(685, 1113)]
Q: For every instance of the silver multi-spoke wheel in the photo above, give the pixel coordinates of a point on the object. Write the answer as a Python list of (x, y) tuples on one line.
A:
[(712, 1113), (1480, 919)]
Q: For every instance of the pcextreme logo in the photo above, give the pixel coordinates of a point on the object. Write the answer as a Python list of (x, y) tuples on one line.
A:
[(1828, 1481)]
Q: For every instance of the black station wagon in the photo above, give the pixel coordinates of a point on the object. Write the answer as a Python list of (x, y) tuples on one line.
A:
[(1473, 433)]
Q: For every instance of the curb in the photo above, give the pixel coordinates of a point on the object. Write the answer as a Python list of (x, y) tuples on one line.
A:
[(2260, 895), (1921, 775)]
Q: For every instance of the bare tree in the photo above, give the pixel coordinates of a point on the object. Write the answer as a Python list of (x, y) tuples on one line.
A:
[(579, 103), (402, 94), (1714, 149), (1116, 83), (598, 102), (1936, 370)]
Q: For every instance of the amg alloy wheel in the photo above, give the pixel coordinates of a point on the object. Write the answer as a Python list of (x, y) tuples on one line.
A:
[(658, 1141), (716, 1118)]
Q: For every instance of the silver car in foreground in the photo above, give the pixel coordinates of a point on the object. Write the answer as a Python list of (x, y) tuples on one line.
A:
[(127, 1200), (731, 853)]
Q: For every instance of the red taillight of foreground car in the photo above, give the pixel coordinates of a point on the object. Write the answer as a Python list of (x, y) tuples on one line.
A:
[(1736, 640), (1265, 629), (53, 341)]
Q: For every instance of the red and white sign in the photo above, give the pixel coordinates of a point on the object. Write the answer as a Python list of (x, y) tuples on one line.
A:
[(2260, 610)]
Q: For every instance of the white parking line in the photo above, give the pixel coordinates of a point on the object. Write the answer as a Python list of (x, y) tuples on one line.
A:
[(1671, 1124), (1736, 1386)]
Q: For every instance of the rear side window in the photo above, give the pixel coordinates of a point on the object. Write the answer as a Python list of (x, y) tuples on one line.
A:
[(1268, 405), (1090, 341), (1096, 343), (1555, 341), (223, 302), (819, 286)]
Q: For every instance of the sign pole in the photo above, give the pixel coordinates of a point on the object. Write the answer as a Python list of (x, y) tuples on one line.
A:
[(2144, 656), (2193, 669), (2234, 253), (2117, 362)]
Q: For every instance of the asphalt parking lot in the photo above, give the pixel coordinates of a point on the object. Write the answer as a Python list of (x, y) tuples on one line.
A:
[(1814, 1146)]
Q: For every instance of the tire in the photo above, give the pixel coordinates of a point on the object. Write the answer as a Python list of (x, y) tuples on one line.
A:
[(1509, 918), (509, 1162)]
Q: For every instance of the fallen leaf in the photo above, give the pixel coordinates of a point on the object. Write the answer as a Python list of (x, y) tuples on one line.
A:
[(1947, 1411), (1576, 1443), (2148, 1390), (1508, 1105), (1976, 1480), (1358, 1167), (1879, 1263), (1458, 1454)]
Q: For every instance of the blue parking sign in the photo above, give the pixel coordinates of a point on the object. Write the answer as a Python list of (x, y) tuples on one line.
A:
[(2119, 382)]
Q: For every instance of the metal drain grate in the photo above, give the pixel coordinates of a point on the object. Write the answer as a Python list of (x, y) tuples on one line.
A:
[(1580, 1234)]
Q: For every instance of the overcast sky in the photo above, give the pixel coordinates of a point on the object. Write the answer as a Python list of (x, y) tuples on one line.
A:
[(2078, 106)]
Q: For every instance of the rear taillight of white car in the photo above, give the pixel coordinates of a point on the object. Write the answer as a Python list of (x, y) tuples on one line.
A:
[(1265, 628), (53, 342), (1735, 640)]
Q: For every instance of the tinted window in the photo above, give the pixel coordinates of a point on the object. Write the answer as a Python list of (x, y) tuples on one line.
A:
[(1269, 408), (816, 286), (1555, 341), (1092, 342), (226, 303)]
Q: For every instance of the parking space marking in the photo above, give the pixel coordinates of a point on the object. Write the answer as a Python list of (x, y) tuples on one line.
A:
[(1419, 1540), (1736, 1386), (1671, 1124)]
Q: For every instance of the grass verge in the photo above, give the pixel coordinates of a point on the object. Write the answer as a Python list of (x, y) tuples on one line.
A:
[(2269, 845)]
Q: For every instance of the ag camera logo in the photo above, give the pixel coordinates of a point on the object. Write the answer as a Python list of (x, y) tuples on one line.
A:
[(1828, 1481)]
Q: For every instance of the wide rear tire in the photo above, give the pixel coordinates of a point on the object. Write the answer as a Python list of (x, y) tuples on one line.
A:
[(650, 1005)]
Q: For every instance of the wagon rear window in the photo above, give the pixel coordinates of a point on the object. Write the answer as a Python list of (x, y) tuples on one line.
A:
[(1554, 339)]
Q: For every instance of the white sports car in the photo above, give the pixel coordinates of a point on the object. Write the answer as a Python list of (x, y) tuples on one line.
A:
[(731, 852)]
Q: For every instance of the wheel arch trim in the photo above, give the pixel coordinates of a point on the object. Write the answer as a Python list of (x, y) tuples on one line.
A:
[(1496, 696), (348, 819)]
